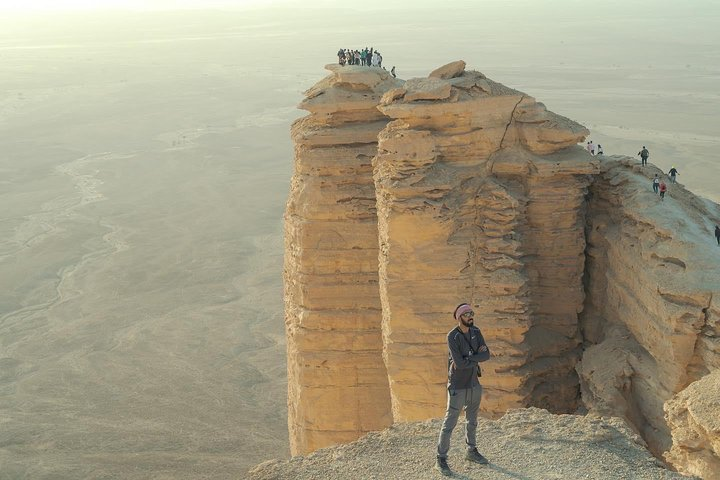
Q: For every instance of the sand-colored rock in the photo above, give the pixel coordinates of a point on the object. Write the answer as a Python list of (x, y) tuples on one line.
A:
[(337, 382), (426, 89), (650, 322), (451, 70), (694, 419), (523, 444), (467, 211), (409, 198)]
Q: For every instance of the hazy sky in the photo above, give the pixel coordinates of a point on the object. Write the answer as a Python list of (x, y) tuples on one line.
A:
[(46, 5)]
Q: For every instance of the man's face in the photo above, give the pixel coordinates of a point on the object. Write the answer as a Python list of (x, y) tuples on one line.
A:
[(467, 318)]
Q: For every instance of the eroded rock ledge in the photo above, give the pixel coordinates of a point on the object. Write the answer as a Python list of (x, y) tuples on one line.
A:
[(409, 197), (523, 444)]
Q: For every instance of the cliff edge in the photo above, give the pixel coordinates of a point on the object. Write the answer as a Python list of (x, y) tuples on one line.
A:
[(411, 196), (526, 444)]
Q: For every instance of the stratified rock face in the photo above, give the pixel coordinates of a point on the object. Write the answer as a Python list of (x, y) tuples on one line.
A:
[(337, 382), (694, 418), (480, 194), (651, 319), (411, 197)]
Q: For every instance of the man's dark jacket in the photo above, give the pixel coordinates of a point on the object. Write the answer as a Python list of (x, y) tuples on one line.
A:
[(463, 357)]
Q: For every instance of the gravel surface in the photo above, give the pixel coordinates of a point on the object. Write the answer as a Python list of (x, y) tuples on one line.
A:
[(524, 444)]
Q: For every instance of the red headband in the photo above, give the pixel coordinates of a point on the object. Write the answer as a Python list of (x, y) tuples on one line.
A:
[(462, 309)]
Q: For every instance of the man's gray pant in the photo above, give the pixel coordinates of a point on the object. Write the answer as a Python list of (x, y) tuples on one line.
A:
[(457, 399)]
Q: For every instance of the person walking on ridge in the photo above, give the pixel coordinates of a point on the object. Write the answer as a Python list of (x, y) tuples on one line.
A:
[(656, 184), (673, 173), (466, 347), (663, 189), (644, 154), (717, 234), (599, 149)]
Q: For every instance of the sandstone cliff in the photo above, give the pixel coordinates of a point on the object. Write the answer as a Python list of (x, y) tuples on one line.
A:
[(338, 385), (410, 197), (650, 322), (479, 199), (694, 420)]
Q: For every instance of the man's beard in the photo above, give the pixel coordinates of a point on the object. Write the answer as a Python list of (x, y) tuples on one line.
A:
[(468, 324)]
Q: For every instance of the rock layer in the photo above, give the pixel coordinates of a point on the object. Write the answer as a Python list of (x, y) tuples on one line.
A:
[(474, 204), (411, 197), (650, 322), (694, 419), (337, 382)]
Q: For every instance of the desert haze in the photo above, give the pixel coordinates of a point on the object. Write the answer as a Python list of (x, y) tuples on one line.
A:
[(145, 166)]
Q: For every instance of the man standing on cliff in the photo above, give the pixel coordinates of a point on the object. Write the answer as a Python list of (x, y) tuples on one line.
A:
[(466, 347), (644, 154)]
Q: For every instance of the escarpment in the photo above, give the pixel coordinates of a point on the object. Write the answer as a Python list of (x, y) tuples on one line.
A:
[(338, 385), (479, 190), (651, 318), (412, 196)]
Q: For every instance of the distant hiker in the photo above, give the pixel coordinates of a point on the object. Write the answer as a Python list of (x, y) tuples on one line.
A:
[(590, 148), (656, 184), (673, 173), (663, 189), (341, 56), (644, 154), (466, 347), (599, 149), (392, 72), (717, 234)]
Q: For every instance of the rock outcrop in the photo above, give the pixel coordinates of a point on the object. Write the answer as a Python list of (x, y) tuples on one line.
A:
[(528, 444), (694, 419), (337, 381), (479, 199), (410, 197), (650, 322)]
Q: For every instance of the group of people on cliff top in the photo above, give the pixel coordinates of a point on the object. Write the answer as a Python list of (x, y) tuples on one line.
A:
[(658, 185), (366, 57)]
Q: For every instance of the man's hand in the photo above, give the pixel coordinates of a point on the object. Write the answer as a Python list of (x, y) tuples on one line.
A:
[(483, 348)]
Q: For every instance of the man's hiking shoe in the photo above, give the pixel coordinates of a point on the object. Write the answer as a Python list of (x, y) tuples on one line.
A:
[(474, 456), (442, 466)]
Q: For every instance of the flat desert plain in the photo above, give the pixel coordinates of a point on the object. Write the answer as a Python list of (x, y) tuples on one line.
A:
[(145, 160)]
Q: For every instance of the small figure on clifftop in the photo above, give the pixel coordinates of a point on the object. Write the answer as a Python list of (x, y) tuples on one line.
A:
[(656, 184), (673, 173), (466, 347), (599, 149), (717, 234), (663, 189), (392, 72), (644, 154), (590, 148)]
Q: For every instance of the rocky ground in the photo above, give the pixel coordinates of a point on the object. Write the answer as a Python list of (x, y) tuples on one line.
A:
[(523, 445)]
